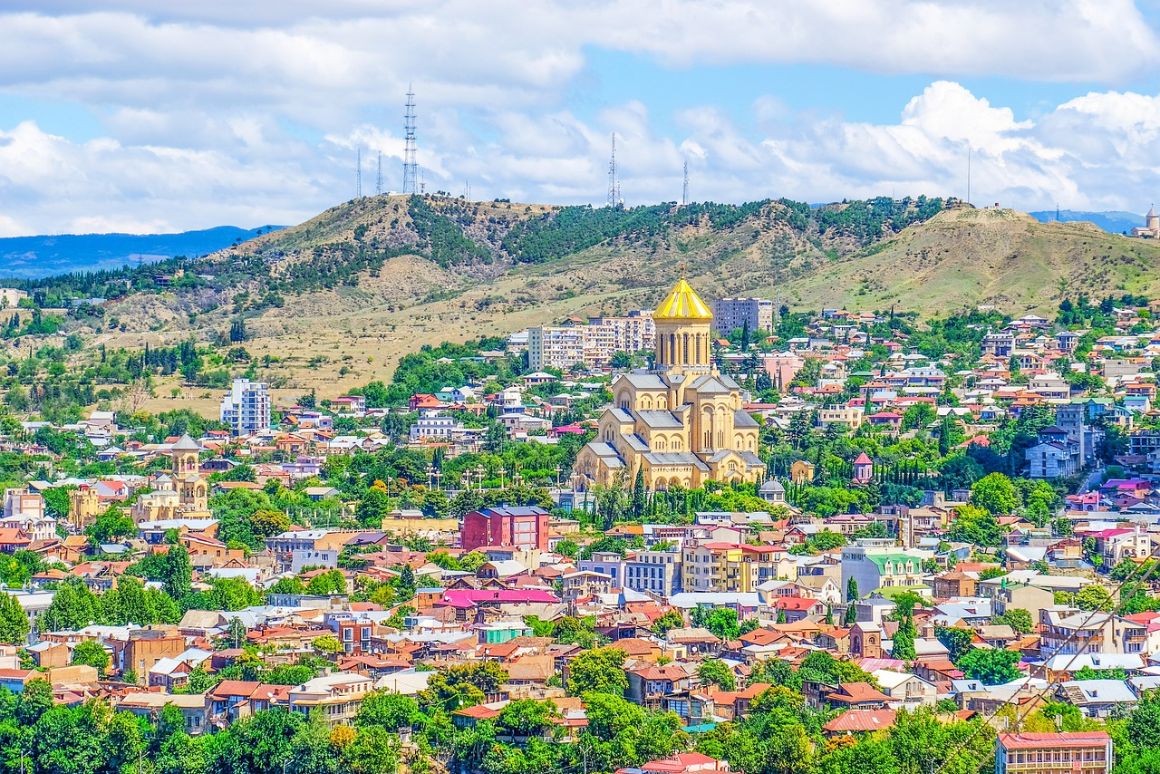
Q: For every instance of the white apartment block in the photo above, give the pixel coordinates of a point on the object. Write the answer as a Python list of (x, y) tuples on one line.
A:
[(593, 344), (729, 314), (246, 407)]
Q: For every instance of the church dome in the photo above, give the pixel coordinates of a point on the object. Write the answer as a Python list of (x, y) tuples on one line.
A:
[(683, 303)]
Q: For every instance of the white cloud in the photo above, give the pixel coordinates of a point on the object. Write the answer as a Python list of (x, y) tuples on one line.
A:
[(224, 112)]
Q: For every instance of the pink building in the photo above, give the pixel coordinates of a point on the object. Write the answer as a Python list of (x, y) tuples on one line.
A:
[(863, 469), (505, 526), (782, 367)]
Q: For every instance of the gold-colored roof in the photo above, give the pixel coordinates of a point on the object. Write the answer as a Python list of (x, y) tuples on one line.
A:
[(682, 303)]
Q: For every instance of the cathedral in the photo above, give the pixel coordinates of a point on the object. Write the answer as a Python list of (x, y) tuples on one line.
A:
[(681, 423), (182, 495)]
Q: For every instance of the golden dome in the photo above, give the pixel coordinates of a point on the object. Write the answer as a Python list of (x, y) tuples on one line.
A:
[(683, 303)]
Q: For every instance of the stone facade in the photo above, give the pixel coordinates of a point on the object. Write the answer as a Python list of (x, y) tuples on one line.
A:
[(681, 423)]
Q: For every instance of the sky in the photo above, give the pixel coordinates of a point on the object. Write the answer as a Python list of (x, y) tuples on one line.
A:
[(143, 116)]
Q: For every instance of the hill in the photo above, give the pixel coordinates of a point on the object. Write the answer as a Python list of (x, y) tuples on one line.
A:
[(336, 300), (45, 256), (1114, 221)]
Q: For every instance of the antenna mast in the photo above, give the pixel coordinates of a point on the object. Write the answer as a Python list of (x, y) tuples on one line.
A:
[(379, 176), (410, 166), (968, 174), (613, 183), (358, 174), (685, 186)]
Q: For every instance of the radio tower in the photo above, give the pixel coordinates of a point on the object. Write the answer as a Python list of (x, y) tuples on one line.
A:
[(379, 175), (358, 174), (410, 166), (613, 183), (685, 185)]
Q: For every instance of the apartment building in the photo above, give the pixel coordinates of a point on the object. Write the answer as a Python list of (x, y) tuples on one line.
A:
[(1066, 632), (720, 566), (555, 347), (729, 314), (1082, 752), (246, 407), (878, 563), (593, 344), (337, 697)]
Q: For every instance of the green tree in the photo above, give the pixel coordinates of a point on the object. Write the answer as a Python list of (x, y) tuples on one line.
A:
[(956, 640), (14, 626), (721, 621), (1094, 597), (374, 750), (903, 647), (990, 666), (372, 508), (389, 711), (73, 607), (178, 572), (92, 653), (598, 670), (1143, 727), (110, 525), (1017, 618), (996, 494), (670, 619), (714, 671)]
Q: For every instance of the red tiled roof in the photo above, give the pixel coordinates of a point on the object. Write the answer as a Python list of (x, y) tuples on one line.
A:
[(855, 720), (1029, 740)]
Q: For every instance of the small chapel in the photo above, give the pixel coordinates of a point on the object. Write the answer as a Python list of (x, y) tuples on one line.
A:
[(680, 423)]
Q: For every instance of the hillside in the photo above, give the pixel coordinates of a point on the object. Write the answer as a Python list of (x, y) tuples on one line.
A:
[(338, 299), (45, 256)]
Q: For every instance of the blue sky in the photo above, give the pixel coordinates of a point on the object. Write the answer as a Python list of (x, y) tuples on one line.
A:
[(116, 115)]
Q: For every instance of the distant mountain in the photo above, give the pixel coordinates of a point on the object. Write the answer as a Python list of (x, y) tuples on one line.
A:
[(1113, 222), (43, 256)]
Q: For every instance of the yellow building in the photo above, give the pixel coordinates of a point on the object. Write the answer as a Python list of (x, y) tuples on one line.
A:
[(183, 495), (84, 506), (681, 423)]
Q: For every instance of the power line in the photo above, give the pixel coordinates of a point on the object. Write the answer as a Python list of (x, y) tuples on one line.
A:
[(1033, 705), (358, 174), (410, 165), (379, 175)]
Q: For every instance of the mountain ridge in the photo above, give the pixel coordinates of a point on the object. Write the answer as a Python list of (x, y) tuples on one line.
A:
[(31, 257), (372, 279)]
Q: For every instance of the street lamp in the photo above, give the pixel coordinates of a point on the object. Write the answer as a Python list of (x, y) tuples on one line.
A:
[(479, 471)]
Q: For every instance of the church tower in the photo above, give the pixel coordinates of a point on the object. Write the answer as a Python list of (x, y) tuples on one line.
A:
[(191, 487), (683, 321)]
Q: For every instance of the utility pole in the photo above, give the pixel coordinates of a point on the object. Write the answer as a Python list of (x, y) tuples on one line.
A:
[(685, 186)]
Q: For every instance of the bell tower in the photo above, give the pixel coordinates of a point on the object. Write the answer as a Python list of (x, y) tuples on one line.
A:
[(683, 336)]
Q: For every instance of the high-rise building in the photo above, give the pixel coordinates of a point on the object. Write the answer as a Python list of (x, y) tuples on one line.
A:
[(729, 314), (555, 347), (246, 407), (592, 345)]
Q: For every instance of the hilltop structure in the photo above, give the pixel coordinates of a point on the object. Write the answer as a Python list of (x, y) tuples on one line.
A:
[(1151, 227), (682, 422)]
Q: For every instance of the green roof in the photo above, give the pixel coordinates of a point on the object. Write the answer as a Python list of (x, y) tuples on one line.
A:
[(880, 560)]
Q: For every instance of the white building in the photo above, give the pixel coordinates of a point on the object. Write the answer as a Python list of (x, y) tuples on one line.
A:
[(246, 407), (592, 344), (730, 314)]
